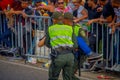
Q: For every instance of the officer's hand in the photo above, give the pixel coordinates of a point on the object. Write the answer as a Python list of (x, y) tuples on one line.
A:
[(41, 42)]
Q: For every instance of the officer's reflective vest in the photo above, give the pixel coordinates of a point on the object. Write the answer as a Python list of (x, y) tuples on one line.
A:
[(60, 35), (78, 30)]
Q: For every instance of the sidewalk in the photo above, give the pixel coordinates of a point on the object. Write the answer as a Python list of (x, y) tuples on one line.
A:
[(85, 75)]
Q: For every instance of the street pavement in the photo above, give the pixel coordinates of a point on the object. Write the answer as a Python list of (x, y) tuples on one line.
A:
[(10, 70), (14, 71), (17, 71)]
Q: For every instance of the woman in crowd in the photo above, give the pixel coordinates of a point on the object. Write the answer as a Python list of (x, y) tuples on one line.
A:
[(61, 7), (80, 13)]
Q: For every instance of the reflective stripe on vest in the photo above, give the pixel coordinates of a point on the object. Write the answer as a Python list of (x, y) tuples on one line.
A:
[(64, 37), (63, 45), (60, 35)]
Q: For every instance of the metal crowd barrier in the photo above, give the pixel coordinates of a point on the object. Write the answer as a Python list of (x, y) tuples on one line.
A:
[(25, 34), (36, 27), (28, 31), (107, 44)]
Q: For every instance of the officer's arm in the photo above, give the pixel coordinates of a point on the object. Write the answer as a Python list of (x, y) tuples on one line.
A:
[(42, 42), (74, 39), (83, 35), (47, 40)]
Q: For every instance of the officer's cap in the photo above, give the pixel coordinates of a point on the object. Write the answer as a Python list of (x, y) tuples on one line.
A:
[(57, 15), (68, 15)]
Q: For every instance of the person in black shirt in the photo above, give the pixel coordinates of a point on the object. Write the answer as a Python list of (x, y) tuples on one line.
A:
[(107, 12), (93, 13), (106, 17), (92, 7)]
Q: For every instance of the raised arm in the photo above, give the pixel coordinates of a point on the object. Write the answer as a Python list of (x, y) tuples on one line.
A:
[(85, 15)]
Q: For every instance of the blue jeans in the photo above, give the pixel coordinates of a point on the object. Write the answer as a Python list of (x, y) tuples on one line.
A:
[(6, 38), (5, 35), (116, 55), (31, 49)]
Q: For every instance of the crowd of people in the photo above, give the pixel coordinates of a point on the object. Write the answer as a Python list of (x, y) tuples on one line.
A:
[(66, 14)]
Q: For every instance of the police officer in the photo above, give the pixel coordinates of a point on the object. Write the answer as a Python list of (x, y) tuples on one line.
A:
[(68, 20), (60, 38), (81, 38)]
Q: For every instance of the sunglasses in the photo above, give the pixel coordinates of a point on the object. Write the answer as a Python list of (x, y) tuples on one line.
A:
[(60, 2)]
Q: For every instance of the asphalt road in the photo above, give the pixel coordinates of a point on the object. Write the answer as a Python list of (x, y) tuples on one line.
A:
[(15, 71)]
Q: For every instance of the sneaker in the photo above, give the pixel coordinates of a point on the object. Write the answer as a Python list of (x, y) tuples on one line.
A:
[(13, 50), (93, 66), (5, 50), (94, 56), (114, 67), (117, 68)]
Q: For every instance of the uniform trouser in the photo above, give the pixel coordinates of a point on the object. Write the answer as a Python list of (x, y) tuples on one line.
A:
[(62, 62), (82, 57), (74, 69)]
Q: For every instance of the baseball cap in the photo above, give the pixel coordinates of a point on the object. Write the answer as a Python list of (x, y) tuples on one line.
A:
[(68, 15), (57, 15)]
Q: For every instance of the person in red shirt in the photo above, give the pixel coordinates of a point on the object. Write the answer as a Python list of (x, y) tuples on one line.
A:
[(4, 3)]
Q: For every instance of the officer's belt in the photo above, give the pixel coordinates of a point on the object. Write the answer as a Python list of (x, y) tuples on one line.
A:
[(64, 50)]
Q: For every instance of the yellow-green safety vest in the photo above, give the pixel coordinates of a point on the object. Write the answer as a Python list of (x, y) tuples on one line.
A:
[(60, 36), (78, 30)]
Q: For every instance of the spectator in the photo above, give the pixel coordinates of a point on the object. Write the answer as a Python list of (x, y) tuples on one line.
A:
[(6, 35), (107, 12), (93, 13), (50, 7), (92, 8), (107, 16), (0, 9), (80, 13), (116, 19), (9, 23), (25, 25), (61, 7), (7, 28), (115, 25), (4, 3)]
